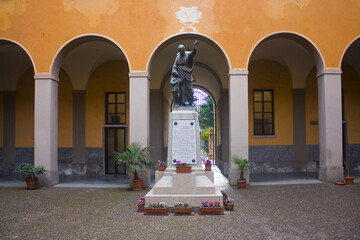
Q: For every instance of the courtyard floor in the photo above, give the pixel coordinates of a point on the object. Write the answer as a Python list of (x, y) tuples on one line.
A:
[(303, 211)]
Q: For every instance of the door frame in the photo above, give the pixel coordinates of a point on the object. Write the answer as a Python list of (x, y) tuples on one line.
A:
[(107, 126)]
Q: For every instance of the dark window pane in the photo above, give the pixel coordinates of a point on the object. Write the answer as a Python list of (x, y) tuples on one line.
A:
[(258, 126), (268, 129), (121, 98), (122, 118), (258, 107), (267, 117), (268, 107), (258, 116), (267, 96), (257, 96), (121, 108), (111, 108), (111, 98)]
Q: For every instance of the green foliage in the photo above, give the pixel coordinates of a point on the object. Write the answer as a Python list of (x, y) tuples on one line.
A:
[(242, 164), (29, 171), (206, 114), (135, 157)]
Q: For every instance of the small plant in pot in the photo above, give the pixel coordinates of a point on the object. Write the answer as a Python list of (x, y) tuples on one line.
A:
[(161, 165), (208, 165), (31, 174), (242, 164), (348, 180), (135, 157)]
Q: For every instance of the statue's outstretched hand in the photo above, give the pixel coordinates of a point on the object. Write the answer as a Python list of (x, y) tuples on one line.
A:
[(196, 43)]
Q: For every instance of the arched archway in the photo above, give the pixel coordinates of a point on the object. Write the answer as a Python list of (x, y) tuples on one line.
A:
[(16, 106), (280, 66), (89, 85), (211, 73), (350, 83)]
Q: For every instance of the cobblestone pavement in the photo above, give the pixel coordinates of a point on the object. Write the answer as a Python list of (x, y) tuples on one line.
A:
[(314, 211)]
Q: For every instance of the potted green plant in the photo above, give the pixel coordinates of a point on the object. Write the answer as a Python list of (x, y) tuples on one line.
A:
[(182, 208), (161, 165), (135, 157), (348, 180), (242, 164), (31, 174)]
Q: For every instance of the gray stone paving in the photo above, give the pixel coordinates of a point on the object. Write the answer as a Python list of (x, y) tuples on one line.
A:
[(315, 211)]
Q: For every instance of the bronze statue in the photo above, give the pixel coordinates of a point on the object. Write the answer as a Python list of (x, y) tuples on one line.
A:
[(182, 78)]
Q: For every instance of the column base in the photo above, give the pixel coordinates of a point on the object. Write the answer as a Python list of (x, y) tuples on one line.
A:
[(234, 175), (331, 174), (48, 179)]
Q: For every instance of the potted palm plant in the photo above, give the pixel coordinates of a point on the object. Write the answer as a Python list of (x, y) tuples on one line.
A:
[(135, 157), (31, 174), (242, 164)]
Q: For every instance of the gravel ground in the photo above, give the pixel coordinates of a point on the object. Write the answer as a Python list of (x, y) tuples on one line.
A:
[(313, 211)]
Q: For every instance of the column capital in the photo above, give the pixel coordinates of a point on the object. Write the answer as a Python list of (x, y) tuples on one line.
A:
[(46, 76), (328, 71), (139, 74), (238, 71)]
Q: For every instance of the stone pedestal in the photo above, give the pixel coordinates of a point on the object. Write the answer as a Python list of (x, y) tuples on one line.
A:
[(184, 146)]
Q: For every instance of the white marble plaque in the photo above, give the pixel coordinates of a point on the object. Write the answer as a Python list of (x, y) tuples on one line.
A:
[(184, 141)]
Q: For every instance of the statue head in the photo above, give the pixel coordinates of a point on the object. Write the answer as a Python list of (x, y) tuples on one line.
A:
[(181, 49)]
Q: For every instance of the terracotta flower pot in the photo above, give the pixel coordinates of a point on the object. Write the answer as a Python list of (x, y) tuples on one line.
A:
[(156, 211), (140, 208), (241, 184), (137, 185), (349, 180), (207, 167), (210, 210), (182, 210), (161, 168), (31, 182), (228, 206), (186, 169)]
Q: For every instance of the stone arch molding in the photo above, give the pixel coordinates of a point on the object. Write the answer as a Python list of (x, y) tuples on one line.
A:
[(77, 41), (12, 74)]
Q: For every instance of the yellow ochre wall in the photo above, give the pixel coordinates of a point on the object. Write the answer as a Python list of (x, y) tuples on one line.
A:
[(24, 113), (351, 97), (109, 77), (271, 75), (311, 109), (44, 26), (65, 111)]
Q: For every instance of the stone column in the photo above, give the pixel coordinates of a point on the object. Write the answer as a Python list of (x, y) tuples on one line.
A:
[(238, 120), (330, 125), (46, 127), (9, 127), (139, 129)]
